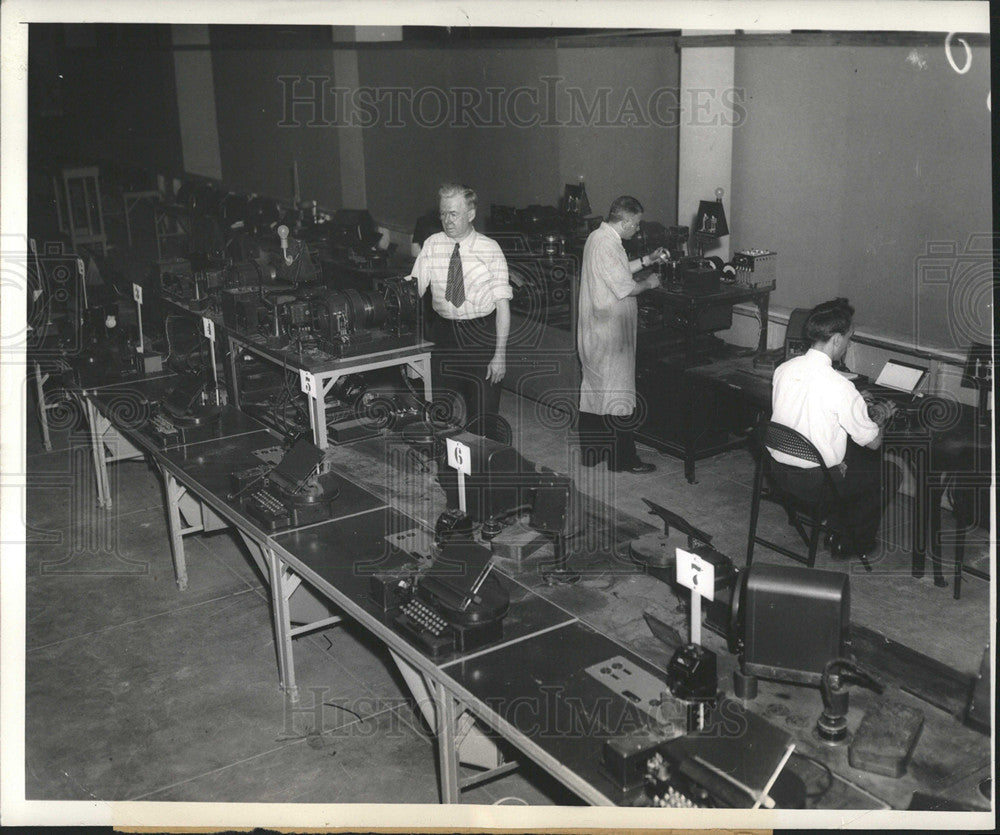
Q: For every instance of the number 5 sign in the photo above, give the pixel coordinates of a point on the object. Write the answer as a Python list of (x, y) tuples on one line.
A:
[(307, 382)]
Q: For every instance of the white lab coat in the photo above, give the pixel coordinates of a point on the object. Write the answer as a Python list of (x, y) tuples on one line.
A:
[(606, 326)]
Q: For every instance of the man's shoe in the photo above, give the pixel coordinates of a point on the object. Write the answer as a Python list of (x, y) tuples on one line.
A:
[(639, 468)]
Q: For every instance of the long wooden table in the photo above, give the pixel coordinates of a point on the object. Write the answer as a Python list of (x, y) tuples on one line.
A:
[(510, 686)]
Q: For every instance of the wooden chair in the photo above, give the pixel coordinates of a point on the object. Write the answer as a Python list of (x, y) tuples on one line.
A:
[(78, 207)]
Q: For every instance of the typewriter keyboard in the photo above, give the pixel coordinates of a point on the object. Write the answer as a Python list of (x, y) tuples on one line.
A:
[(160, 424), (424, 616), (674, 799), (266, 500)]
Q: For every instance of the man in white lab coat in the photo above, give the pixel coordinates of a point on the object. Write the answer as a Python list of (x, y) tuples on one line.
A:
[(606, 337)]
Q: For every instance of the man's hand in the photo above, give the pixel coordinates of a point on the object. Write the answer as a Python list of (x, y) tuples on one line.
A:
[(660, 256), (887, 412), (652, 281), (497, 368)]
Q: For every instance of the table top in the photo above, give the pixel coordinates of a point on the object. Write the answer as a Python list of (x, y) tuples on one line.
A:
[(319, 362), (728, 293)]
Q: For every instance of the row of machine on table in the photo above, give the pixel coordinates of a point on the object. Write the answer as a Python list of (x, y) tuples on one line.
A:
[(544, 244), (788, 624)]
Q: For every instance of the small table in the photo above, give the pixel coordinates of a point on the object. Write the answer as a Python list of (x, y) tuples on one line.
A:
[(957, 451), (318, 377), (697, 411), (688, 308)]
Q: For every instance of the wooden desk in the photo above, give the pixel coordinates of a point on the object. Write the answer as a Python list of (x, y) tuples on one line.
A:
[(688, 308), (949, 447), (695, 409), (942, 440)]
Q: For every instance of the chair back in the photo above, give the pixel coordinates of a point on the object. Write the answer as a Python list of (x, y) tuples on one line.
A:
[(781, 438), (492, 426), (795, 338)]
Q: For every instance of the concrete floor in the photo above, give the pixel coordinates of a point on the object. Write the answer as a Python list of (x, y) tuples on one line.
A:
[(137, 691)]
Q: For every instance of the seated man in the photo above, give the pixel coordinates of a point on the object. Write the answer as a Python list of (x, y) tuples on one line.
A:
[(812, 398)]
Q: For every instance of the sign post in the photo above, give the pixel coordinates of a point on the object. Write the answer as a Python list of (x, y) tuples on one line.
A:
[(137, 295), (698, 575), (460, 459), (208, 328)]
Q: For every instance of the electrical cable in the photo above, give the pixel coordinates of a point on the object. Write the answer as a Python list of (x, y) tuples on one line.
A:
[(345, 709)]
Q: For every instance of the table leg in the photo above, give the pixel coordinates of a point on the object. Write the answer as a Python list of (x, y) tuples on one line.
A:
[(282, 624), (232, 385), (43, 415), (763, 301), (423, 367), (317, 409), (934, 544), (174, 527), (97, 451), (447, 751), (918, 530), (690, 438)]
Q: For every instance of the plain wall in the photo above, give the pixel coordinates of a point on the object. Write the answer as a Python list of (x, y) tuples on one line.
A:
[(407, 156), (851, 161), (257, 150), (636, 156), (101, 93)]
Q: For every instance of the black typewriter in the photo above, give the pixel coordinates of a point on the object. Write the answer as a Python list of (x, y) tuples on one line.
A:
[(185, 404), (455, 605), (291, 494)]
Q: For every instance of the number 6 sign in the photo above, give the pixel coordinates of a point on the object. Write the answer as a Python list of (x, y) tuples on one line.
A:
[(459, 458)]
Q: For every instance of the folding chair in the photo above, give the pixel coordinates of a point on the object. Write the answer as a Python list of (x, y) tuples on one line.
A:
[(810, 516)]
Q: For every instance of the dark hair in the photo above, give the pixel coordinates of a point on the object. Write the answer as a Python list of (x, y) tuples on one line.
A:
[(623, 207), (828, 318), (456, 189)]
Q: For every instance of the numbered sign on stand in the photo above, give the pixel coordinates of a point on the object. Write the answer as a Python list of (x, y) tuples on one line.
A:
[(208, 328), (698, 575), (307, 383), (460, 459), (137, 295)]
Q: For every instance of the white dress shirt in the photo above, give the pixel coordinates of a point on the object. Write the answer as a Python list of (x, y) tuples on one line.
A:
[(484, 271), (818, 402)]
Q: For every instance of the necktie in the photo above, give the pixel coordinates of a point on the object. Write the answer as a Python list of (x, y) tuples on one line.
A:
[(454, 292)]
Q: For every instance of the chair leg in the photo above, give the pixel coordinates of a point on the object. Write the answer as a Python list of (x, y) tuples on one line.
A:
[(959, 555), (934, 544), (758, 480), (814, 537)]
